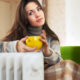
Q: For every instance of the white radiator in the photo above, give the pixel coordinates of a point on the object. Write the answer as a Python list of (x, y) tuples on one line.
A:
[(21, 66)]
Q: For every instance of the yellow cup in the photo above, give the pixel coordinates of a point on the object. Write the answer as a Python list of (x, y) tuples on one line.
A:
[(33, 41)]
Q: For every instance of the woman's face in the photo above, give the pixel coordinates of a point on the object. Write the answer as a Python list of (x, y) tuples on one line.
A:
[(35, 14)]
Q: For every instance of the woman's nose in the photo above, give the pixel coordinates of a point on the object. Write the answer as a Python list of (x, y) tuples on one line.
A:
[(37, 14)]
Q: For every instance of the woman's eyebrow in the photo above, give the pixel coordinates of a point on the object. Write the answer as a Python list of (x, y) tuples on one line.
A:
[(34, 9), (38, 7), (29, 10)]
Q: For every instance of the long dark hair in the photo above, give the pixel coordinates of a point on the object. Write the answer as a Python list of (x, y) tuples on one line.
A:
[(19, 29)]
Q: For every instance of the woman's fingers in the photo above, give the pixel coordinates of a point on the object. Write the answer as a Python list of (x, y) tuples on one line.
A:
[(24, 39), (22, 47), (28, 49), (43, 35), (43, 38), (44, 41), (43, 31), (25, 48)]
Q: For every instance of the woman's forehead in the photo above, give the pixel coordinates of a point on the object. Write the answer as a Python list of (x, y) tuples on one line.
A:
[(31, 6)]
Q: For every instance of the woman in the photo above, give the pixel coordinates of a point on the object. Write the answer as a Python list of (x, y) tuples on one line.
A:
[(30, 21)]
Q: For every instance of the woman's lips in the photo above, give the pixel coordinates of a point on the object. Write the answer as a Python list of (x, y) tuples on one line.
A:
[(39, 20)]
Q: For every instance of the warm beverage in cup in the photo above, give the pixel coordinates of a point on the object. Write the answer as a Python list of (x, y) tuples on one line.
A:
[(34, 41)]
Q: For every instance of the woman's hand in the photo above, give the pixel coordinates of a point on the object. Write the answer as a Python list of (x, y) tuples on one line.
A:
[(45, 48), (21, 46)]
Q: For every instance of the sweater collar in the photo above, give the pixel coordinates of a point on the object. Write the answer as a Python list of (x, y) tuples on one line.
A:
[(34, 31)]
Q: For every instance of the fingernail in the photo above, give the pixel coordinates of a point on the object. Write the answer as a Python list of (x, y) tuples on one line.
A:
[(26, 37), (39, 50), (35, 47)]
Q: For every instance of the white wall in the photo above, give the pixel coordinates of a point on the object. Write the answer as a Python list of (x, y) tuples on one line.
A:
[(64, 19), (72, 8)]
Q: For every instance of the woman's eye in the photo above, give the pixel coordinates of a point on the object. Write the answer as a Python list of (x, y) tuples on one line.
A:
[(38, 9), (30, 13)]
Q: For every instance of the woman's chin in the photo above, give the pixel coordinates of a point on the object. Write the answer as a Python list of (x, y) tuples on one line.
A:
[(40, 25)]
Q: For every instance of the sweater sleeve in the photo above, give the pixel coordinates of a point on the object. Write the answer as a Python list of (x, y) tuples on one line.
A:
[(9, 46), (1, 46), (55, 56)]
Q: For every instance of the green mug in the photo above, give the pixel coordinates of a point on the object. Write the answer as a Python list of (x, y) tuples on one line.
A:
[(70, 53)]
